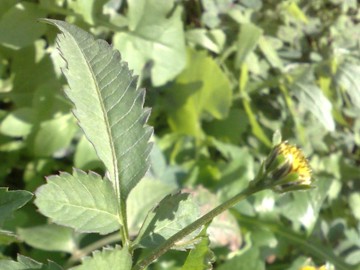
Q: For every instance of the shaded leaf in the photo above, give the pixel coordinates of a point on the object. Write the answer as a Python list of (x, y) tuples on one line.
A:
[(53, 135), (143, 198), (26, 263), (172, 214), (156, 35), (202, 89), (18, 26), (85, 157), (312, 99), (7, 237), (85, 202), (11, 201), (18, 123), (347, 77), (201, 257)]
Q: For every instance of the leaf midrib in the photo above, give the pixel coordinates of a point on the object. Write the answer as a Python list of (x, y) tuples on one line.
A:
[(103, 110)]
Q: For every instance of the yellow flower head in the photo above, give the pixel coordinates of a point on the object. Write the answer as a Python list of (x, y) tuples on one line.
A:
[(288, 168)]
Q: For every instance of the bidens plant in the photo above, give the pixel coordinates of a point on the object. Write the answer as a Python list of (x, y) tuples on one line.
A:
[(109, 108)]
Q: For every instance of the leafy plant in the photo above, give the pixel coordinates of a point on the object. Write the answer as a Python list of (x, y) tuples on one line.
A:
[(221, 78)]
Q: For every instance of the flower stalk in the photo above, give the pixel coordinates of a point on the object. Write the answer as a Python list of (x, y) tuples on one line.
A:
[(285, 169)]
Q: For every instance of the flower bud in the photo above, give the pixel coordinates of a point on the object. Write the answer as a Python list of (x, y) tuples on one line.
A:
[(287, 168)]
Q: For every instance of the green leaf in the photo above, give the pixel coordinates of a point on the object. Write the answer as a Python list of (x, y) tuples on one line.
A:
[(309, 246), (85, 157), (17, 123), (212, 40), (26, 263), (85, 202), (32, 68), (313, 100), (247, 40), (246, 259), (223, 229), (155, 35), (172, 214), (108, 105), (304, 207), (53, 135), (89, 10), (108, 258), (201, 257), (347, 77), (12, 200), (270, 53), (18, 26), (354, 202), (201, 89), (7, 237), (143, 198), (49, 237), (255, 126)]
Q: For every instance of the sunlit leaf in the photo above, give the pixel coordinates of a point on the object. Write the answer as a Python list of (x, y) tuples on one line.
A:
[(114, 123), (108, 258), (85, 202)]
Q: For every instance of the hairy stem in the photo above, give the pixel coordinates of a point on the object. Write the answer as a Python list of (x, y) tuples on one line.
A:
[(160, 250)]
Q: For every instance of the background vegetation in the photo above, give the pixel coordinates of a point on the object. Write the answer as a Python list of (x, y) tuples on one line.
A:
[(221, 77)]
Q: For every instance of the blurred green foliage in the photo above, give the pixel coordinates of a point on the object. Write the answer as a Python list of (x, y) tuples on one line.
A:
[(221, 77)]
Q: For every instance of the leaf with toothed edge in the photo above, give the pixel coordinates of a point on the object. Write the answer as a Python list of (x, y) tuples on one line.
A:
[(85, 202), (108, 105), (108, 258)]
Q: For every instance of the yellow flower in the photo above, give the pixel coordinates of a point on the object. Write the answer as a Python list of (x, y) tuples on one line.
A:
[(313, 268), (287, 168)]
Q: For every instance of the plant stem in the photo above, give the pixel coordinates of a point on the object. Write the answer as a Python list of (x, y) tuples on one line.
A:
[(160, 250), (124, 229)]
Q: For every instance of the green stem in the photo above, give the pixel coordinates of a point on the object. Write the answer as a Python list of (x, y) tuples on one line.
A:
[(124, 229), (160, 250)]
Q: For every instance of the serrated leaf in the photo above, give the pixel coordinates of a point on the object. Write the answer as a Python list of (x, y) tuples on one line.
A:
[(108, 105), (201, 257), (85, 202), (172, 214), (12, 200), (156, 35), (109, 259), (49, 237)]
